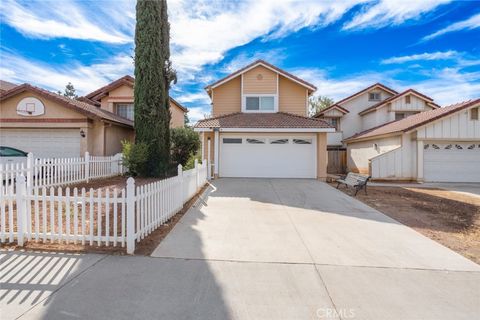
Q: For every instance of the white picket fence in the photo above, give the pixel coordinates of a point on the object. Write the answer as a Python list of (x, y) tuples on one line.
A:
[(49, 172), (95, 217)]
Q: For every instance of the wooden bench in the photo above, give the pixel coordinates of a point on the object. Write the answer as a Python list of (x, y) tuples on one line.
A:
[(354, 180)]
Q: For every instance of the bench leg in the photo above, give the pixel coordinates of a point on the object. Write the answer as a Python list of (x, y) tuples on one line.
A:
[(338, 184), (365, 187)]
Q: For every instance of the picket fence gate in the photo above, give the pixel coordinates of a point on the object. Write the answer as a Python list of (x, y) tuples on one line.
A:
[(95, 217), (49, 172)]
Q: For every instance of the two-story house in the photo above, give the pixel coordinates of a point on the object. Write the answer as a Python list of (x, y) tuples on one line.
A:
[(50, 125), (260, 126), (117, 97), (369, 108)]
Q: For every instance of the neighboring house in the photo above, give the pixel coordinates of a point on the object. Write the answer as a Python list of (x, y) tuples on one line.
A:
[(117, 97), (441, 145), (51, 125), (260, 126), (371, 107)]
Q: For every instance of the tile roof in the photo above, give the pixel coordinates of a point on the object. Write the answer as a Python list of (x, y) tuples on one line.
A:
[(396, 96), (242, 70), (413, 121), (262, 120), (101, 92), (80, 106), (5, 85)]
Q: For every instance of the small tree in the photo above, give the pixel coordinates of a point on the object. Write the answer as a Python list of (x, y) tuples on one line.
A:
[(185, 143), (69, 91), (319, 103), (186, 120)]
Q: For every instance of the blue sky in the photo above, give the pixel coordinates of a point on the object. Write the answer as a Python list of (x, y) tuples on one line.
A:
[(340, 46)]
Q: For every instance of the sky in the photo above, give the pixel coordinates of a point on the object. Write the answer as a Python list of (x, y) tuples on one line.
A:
[(341, 46)]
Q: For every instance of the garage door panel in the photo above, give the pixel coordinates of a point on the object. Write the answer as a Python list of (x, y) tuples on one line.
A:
[(43, 143), (452, 162), (267, 160)]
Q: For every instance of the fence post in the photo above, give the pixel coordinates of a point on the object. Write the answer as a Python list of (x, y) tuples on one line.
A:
[(209, 164), (180, 177), (87, 166), (131, 215), (21, 207), (116, 164), (197, 178), (29, 172)]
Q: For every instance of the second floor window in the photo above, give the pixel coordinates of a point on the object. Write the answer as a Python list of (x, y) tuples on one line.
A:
[(260, 103), (334, 122), (124, 110), (374, 96)]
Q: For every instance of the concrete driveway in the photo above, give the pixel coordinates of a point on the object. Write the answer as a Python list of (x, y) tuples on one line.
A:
[(257, 249)]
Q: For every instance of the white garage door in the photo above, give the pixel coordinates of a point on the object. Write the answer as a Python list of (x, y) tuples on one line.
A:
[(268, 157), (452, 162), (43, 143)]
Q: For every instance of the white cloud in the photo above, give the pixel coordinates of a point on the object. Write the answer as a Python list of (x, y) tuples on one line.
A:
[(445, 86), (203, 31), (198, 97), (85, 78), (391, 12), (197, 113), (439, 55), (49, 19), (471, 23)]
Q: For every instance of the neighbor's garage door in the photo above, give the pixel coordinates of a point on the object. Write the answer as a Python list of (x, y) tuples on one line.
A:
[(48, 143), (268, 157), (452, 162)]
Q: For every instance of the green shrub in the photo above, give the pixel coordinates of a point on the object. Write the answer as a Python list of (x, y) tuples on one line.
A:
[(185, 144), (191, 162), (135, 157)]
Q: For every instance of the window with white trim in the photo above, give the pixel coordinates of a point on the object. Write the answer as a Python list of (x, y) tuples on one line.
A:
[(255, 141), (260, 103), (474, 113), (374, 96), (302, 141), (125, 110), (278, 141), (232, 140)]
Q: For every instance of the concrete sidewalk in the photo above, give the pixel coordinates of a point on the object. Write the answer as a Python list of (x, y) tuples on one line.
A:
[(258, 249)]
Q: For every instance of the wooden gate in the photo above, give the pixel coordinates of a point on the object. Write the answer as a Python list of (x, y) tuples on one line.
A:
[(337, 161)]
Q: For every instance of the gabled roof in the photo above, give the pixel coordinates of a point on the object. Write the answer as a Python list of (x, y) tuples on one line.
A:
[(356, 94), (95, 96), (333, 106), (412, 122), (397, 96), (277, 120), (87, 109), (103, 91), (267, 65)]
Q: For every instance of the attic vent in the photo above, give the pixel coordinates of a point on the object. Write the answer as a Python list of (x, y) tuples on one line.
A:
[(259, 76)]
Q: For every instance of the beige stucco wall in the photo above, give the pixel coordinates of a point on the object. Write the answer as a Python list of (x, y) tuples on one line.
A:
[(260, 80), (178, 116), (227, 98), (114, 135), (322, 156), (53, 110), (358, 153), (292, 97)]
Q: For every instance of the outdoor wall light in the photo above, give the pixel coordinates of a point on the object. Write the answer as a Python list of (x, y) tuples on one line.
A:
[(82, 133)]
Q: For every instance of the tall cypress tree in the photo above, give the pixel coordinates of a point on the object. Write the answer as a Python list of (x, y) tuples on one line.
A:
[(153, 75)]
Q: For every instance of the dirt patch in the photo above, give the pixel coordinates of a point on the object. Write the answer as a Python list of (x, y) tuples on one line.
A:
[(450, 218)]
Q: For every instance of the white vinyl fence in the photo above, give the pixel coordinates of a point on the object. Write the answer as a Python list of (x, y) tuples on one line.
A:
[(49, 172), (95, 217)]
